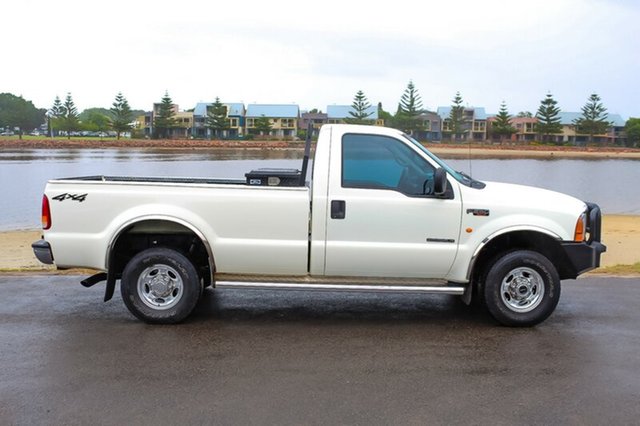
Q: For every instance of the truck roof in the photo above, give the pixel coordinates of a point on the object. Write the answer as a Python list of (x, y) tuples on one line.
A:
[(361, 128)]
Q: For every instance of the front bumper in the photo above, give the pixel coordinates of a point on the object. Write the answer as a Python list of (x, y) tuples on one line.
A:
[(585, 256), (42, 250)]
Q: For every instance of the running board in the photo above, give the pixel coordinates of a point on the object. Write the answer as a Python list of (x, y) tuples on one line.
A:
[(337, 284)]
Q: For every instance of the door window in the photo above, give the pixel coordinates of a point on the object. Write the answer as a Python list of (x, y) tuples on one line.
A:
[(381, 162)]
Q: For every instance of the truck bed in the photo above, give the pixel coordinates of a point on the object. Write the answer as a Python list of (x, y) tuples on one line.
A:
[(150, 179), (256, 229), (259, 177)]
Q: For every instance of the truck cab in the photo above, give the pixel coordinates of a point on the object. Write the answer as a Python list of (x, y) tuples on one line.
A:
[(381, 207)]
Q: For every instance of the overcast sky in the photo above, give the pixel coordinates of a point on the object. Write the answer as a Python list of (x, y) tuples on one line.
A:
[(321, 53)]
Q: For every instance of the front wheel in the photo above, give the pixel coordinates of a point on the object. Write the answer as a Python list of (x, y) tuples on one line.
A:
[(160, 286), (521, 288)]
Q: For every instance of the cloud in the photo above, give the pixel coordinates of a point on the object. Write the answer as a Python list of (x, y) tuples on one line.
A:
[(285, 51)]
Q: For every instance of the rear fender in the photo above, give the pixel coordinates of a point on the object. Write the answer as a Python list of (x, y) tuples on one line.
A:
[(126, 225)]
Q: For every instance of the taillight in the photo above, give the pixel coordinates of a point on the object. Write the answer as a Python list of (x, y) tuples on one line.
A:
[(46, 213), (581, 227)]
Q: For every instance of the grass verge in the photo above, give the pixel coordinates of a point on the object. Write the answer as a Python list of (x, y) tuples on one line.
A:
[(621, 270)]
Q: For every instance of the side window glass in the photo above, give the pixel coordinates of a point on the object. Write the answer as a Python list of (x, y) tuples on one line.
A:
[(381, 162)]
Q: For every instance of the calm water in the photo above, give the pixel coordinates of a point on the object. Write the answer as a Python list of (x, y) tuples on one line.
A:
[(613, 184)]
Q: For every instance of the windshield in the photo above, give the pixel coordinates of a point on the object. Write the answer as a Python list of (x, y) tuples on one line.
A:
[(459, 176)]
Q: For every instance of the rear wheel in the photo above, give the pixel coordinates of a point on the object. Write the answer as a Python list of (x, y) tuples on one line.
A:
[(160, 285), (521, 288)]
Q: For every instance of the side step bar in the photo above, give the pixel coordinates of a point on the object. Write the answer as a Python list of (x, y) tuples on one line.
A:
[(387, 288)]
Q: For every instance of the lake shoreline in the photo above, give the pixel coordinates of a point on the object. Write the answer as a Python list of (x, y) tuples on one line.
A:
[(620, 233), (447, 150)]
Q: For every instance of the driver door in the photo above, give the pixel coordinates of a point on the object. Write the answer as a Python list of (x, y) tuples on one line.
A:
[(384, 219)]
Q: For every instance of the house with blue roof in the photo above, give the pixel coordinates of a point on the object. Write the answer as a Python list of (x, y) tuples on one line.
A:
[(340, 114), (235, 114), (526, 130), (614, 134), (283, 118), (474, 123)]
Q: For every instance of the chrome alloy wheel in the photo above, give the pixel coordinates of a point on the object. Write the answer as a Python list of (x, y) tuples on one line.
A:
[(160, 287), (522, 289)]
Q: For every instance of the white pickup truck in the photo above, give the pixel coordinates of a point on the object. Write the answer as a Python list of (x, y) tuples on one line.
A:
[(381, 213)]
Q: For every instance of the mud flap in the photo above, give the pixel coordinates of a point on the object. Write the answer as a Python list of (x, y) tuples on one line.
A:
[(110, 288), (468, 294), (94, 279), (99, 277)]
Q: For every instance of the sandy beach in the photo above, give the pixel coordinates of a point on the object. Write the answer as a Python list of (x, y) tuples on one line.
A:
[(621, 234), (16, 253)]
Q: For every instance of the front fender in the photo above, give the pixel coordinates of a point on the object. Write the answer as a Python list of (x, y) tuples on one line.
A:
[(490, 238), (471, 246)]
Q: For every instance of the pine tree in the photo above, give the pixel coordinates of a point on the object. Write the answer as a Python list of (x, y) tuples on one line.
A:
[(594, 118), (164, 120), (121, 115), (69, 119), (407, 116), (55, 115), (456, 117), (410, 102), (359, 113), (217, 119), (502, 124), (548, 116), (57, 110)]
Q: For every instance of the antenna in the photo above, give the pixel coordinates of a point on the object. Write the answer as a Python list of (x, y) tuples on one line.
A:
[(469, 158)]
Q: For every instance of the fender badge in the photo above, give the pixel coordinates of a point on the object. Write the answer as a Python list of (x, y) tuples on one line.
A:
[(478, 212)]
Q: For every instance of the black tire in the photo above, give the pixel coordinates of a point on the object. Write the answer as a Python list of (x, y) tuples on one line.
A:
[(160, 286), (521, 288)]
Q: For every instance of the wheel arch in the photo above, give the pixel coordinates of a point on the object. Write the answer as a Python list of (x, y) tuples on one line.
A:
[(535, 239), (155, 225)]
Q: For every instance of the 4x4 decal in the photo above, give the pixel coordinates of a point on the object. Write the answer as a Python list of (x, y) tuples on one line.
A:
[(73, 197)]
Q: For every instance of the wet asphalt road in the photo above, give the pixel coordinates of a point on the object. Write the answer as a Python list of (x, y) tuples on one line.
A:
[(263, 357)]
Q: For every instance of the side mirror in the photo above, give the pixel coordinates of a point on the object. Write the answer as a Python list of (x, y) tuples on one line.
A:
[(440, 181)]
